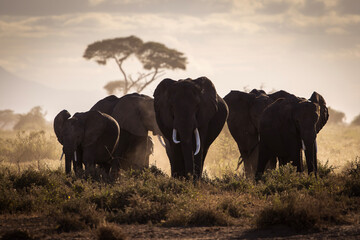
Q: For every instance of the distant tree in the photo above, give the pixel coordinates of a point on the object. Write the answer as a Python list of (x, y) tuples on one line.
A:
[(154, 57), (34, 119), (8, 119), (356, 121), (336, 117)]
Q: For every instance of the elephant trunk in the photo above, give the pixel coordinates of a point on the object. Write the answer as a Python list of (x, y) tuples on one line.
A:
[(188, 155), (323, 118), (310, 154), (186, 134), (69, 158)]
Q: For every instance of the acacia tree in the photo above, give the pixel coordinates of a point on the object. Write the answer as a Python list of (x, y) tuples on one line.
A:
[(356, 121), (154, 57)]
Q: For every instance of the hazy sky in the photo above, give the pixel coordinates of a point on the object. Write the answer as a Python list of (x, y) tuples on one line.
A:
[(297, 45)]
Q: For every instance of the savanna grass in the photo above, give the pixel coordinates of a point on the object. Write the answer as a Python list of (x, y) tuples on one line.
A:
[(149, 196)]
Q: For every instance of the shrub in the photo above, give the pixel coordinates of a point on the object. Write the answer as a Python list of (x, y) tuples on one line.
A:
[(30, 146), (140, 210), (17, 234), (285, 179), (232, 182), (198, 215), (110, 232), (300, 211), (352, 179), (232, 208), (30, 178), (324, 170), (76, 215)]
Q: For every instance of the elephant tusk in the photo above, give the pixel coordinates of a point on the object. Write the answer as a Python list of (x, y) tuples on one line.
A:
[(303, 145), (174, 137), (197, 137), (161, 141), (62, 154), (75, 157)]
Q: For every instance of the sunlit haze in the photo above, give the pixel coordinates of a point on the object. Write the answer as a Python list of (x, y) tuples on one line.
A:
[(300, 46)]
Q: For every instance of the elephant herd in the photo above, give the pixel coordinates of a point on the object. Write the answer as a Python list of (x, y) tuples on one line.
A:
[(189, 115)]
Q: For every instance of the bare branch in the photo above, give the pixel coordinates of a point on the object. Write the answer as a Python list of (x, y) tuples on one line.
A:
[(119, 63), (151, 80)]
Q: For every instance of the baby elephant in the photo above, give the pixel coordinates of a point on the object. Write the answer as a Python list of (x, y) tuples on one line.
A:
[(88, 138)]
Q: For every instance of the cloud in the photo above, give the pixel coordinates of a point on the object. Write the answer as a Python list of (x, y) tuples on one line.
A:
[(349, 7), (352, 53), (95, 2)]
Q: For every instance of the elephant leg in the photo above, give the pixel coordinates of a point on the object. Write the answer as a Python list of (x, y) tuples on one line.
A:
[(68, 164), (265, 154), (251, 163), (271, 163), (89, 161), (105, 171), (125, 141), (297, 160)]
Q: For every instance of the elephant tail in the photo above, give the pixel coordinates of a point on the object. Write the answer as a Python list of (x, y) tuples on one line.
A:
[(240, 161)]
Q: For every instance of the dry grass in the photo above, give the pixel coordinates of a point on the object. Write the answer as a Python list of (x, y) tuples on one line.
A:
[(339, 145)]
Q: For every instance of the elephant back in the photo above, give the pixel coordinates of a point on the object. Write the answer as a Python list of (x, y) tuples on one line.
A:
[(135, 113), (106, 105)]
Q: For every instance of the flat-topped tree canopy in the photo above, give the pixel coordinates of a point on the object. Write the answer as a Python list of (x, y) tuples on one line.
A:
[(116, 48), (153, 56)]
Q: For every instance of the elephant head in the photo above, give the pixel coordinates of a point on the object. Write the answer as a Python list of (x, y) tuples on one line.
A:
[(305, 115), (283, 94), (245, 110), (183, 110), (78, 132), (135, 113), (324, 113)]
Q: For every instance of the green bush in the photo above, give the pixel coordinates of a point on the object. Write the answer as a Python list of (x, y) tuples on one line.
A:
[(299, 210), (110, 232), (140, 210), (232, 182), (352, 179), (232, 207), (76, 215), (30, 178), (17, 234), (286, 179)]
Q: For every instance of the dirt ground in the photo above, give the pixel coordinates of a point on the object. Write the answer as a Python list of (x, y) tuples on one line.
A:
[(41, 227)]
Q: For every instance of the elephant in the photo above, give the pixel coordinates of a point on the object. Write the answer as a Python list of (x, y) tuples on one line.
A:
[(136, 116), (88, 138), (289, 125), (190, 115), (245, 111)]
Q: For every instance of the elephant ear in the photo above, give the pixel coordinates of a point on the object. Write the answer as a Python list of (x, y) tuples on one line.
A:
[(147, 114), (94, 126), (130, 113), (161, 106), (209, 95), (324, 113), (59, 120), (257, 107)]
